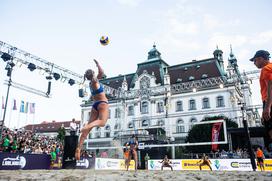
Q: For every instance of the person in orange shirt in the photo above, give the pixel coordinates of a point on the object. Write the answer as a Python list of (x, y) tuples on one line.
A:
[(261, 61), (260, 158), (126, 156)]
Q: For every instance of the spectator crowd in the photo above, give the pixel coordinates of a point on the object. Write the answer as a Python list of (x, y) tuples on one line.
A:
[(21, 141)]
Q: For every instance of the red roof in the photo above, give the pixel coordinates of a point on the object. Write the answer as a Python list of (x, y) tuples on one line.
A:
[(47, 126)]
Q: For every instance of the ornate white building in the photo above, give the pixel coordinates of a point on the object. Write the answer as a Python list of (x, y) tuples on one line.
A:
[(171, 98)]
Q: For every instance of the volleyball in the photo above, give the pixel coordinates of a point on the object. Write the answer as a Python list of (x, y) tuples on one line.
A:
[(104, 40)]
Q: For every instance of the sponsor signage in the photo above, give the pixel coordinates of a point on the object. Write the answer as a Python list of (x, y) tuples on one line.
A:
[(85, 163), (156, 165), (112, 164), (216, 164), (13, 161), (192, 165)]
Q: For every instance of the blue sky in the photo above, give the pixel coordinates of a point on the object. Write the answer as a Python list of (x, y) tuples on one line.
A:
[(67, 33)]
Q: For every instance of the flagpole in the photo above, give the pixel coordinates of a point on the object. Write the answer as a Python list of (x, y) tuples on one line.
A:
[(33, 121), (10, 116)]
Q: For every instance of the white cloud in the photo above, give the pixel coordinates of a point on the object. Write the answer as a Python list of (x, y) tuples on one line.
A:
[(261, 38), (224, 41), (210, 22), (131, 3)]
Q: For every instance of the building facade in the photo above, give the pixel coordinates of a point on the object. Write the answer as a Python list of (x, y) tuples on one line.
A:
[(170, 99)]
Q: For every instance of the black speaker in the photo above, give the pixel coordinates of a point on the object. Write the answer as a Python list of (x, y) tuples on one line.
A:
[(70, 144), (80, 92)]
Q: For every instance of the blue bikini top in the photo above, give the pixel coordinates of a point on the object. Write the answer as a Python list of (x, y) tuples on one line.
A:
[(97, 91)]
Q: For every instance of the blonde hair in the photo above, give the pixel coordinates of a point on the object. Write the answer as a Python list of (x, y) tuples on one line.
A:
[(88, 73)]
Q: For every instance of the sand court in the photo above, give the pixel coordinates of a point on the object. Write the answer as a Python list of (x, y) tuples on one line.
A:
[(80, 175)]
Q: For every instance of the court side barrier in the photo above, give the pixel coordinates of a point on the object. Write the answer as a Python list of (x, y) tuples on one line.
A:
[(112, 164), (216, 164), (16, 161)]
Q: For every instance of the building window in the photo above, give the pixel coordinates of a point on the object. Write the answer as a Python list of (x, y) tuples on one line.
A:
[(109, 113), (130, 125), (160, 123), (192, 121), (204, 76), (191, 78), (179, 106), (192, 104), (145, 123), (107, 131), (116, 128), (220, 101), (130, 110), (144, 109), (205, 103), (160, 107), (98, 132), (117, 113), (180, 126)]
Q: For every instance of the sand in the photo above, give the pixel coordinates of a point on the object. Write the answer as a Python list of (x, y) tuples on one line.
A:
[(143, 175)]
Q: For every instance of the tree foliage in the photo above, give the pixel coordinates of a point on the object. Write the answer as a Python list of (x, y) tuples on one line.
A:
[(61, 134), (203, 133)]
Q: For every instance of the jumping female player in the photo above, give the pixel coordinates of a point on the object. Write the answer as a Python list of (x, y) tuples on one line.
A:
[(100, 109)]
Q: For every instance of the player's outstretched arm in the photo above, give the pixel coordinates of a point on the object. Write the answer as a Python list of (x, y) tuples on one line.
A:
[(100, 70)]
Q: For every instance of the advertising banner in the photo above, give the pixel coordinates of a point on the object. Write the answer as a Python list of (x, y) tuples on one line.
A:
[(112, 164), (13, 161), (85, 163), (216, 164), (192, 164), (156, 165)]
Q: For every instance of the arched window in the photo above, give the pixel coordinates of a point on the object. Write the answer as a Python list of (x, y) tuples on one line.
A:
[(205, 103), (192, 104), (180, 126), (144, 108), (179, 106), (130, 125), (220, 101), (117, 126), (98, 132), (145, 123), (161, 122), (107, 131), (109, 113), (130, 110), (160, 107), (117, 113), (192, 121)]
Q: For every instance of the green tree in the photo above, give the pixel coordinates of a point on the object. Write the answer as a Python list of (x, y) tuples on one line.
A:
[(61, 134), (202, 133)]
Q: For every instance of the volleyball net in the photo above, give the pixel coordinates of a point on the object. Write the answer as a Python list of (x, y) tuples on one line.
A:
[(211, 133)]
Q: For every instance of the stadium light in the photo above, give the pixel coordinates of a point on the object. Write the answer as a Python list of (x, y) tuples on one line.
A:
[(6, 57), (71, 82), (56, 76), (31, 66)]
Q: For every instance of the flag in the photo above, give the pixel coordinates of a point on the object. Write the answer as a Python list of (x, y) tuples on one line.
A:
[(215, 135), (32, 108), (3, 103), (22, 108), (14, 105), (26, 107)]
